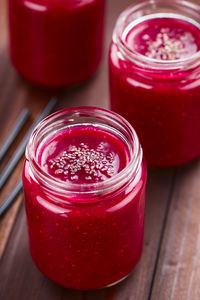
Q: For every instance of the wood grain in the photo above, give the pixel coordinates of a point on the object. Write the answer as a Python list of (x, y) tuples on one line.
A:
[(6, 224), (178, 273)]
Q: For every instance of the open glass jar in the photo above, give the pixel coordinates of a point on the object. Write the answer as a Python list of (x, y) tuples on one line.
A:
[(155, 77), (58, 42), (84, 183)]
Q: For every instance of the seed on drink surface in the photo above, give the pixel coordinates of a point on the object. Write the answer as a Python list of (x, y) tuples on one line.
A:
[(76, 160)]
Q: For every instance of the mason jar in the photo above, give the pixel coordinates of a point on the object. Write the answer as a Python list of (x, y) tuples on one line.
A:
[(84, 184), (154, 64), (56, 43)]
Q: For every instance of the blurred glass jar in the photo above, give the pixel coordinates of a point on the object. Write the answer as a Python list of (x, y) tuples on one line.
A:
[(156, 89), (56, 43)]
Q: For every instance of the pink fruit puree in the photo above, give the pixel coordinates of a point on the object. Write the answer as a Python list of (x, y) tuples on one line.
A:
[(85, 241), (56, 43), (162, 103), (164, 39), (98, 157)]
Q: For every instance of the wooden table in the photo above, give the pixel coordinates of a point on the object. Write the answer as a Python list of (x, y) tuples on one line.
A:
[(170, 265)]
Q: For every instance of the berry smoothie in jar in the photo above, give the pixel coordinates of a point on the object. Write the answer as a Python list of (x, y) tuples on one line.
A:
[(84, 182), (154, 65), (56, 43)]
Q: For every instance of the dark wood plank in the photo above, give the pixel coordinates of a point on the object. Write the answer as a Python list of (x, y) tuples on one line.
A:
[(6, 224), (178, 273)]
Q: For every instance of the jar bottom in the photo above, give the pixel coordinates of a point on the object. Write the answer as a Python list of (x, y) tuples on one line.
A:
[(44, 83), (85, 289), (40, 268), (91, 289), (118, 281)]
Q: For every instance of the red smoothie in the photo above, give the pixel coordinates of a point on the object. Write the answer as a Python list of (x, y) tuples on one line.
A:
[(96, 157), (56, 42), (89, 233), (155, 84), (164, 38)]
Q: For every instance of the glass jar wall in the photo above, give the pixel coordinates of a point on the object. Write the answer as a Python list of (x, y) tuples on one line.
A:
[(56, 43), (84, 184)]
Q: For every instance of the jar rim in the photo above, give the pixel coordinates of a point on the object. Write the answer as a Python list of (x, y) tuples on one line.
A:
[(90, 189), (142, 60)]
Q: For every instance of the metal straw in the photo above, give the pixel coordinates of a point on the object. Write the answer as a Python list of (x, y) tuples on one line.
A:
[(9, 200), (20, 150), (17, 128)]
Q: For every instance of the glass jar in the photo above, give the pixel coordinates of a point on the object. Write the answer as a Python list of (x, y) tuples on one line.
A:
[(85, 235), (154, 64), (56, 43)]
